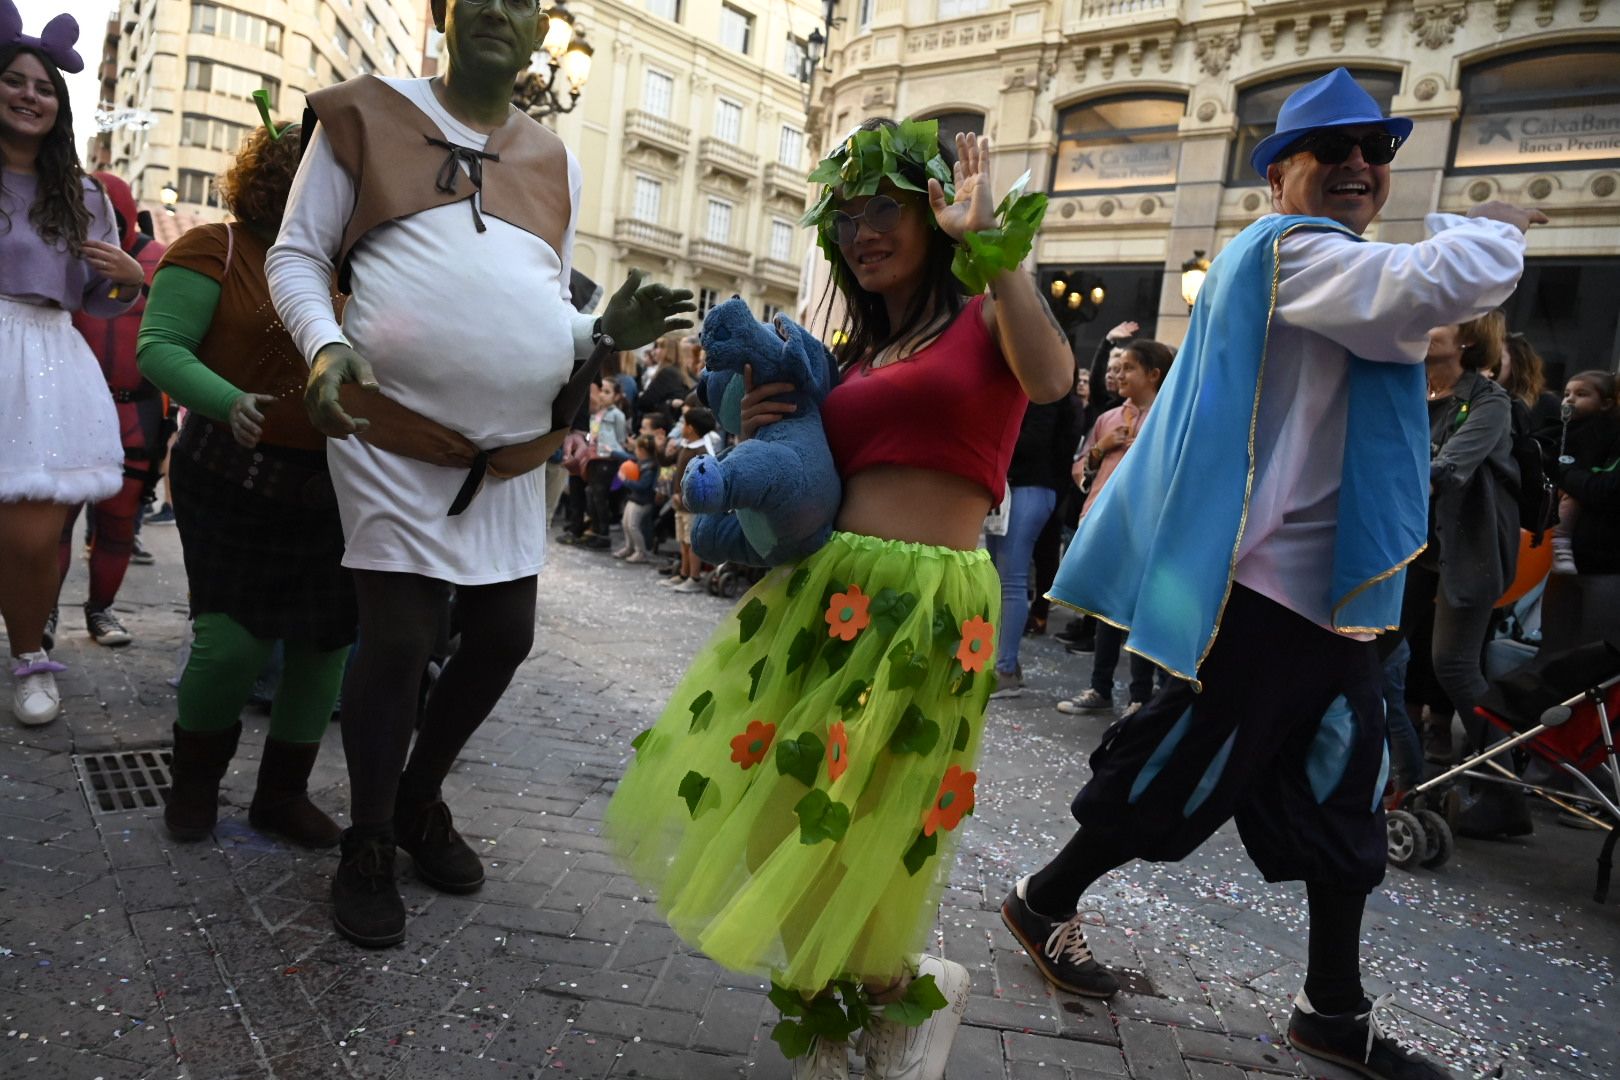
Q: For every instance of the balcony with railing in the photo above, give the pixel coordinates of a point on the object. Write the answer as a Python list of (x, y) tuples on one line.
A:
[(717, 155), (783, 179), (718, 255), (777, 271), (645, 236), (1103, 14), (645, 128)]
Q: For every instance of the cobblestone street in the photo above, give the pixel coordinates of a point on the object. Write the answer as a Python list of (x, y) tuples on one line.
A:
[(124, 955)]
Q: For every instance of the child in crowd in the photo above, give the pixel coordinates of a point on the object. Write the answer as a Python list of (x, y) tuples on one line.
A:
[(636, 480), (609, 430), (1137, 375), (1584, 398), (699, 436)]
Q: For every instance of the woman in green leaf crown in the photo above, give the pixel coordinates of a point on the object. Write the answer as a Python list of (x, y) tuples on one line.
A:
[(795, 803)]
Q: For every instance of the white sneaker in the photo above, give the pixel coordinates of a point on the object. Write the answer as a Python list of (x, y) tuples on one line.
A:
[(897, 1052), (671, 582), (636, 557), (35, 700), (826, 1060), (692, 585)]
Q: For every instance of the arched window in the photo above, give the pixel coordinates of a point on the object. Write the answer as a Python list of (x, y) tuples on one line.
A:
[(1535, 109), (1128, 142), (952, 124), (1257, 109)]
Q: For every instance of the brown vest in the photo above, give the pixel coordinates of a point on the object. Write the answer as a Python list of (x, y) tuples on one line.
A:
[(381, 140)]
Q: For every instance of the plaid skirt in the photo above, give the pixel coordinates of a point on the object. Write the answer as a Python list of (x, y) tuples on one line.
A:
[(274, 566)]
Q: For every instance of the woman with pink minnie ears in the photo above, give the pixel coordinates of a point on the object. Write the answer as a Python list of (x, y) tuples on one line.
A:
[(59, 253)]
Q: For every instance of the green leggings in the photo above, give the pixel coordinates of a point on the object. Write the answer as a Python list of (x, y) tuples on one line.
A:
[(226, 659)]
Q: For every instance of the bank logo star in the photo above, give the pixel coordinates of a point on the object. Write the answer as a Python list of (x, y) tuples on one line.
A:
[(1083, 161), (1494, 127)]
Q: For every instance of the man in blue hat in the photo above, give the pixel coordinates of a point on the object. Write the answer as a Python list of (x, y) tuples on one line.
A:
[(1253, 542)]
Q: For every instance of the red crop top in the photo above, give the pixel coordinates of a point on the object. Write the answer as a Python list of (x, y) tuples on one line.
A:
[(955, 407)]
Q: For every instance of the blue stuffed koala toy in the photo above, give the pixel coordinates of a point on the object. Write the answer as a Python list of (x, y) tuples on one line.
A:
[(772, 499)]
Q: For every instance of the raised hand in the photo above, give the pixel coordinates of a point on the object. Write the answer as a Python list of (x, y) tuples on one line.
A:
[(639, 314), (974, 208), (113, 263), (334, 365)]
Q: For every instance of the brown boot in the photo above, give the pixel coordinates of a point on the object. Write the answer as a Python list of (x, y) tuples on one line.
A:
[(199, 763), (281, 800)]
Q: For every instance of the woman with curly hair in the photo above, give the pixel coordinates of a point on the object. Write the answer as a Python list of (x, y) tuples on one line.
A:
[(254, 504), (59, 254)]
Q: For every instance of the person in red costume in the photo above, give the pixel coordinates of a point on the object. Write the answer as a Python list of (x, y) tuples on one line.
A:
[(140, 421)]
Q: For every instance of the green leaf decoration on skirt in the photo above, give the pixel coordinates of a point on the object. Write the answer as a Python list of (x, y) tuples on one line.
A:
[(821, 818), (963, 731), (787, 1002), (804, 644), (752, 617), (702, 711), (797, 582), (701, 793), (801, 758), (837, 654), (754, 674), (947, 628), (922, 849), (891, 608), (793, 1037), (921, 1000), (914, 734), (962, 683), (641, 740), (907, 667), (853, 697)]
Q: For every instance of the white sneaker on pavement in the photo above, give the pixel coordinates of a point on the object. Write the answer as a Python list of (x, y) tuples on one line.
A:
[(826, 1060), (897, 1052), (691, 584), (35, 700)]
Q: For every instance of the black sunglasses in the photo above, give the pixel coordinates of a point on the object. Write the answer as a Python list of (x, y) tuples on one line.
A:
[(1333, 147), (881, 214)]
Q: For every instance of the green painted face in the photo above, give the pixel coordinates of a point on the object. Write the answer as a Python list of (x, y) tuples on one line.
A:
[(492, 39)]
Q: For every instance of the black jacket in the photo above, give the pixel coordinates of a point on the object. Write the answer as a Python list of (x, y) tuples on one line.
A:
[(1594, 483), (1045, 447)]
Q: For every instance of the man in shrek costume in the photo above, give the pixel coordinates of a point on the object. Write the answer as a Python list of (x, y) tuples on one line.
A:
[(1253, 543), (449, 218)]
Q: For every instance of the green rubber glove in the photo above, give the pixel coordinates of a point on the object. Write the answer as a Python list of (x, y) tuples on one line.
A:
[(335, 364), (640, 314)]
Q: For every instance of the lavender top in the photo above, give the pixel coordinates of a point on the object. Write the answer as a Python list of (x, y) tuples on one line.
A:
[(36, 273)]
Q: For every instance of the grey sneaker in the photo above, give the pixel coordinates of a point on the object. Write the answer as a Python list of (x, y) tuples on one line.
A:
[(1058, 947), (1088, 701), (1008, 684), (106, 629), (1356, 1041)]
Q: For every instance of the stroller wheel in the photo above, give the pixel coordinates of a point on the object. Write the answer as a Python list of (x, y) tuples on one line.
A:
[(1437, 852), (1405, 838)]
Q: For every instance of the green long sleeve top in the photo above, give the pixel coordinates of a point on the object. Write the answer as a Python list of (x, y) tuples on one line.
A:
[(179, 312)]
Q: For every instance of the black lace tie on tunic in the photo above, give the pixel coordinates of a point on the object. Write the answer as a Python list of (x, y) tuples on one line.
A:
[(456, 157)]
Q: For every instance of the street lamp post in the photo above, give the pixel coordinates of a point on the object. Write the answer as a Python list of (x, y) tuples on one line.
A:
[(568, 59), (1193, 272), (168, 195)]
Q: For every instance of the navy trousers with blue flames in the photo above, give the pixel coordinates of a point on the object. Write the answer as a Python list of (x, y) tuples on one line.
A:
[(1287, 736)]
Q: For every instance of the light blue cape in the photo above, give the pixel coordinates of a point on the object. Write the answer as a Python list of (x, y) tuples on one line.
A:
[(1157, 552)]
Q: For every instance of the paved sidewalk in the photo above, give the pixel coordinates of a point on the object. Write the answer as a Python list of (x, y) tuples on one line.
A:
[(124, 955)]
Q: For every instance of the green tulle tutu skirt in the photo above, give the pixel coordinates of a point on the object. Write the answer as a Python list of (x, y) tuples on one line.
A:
[(794, 805)]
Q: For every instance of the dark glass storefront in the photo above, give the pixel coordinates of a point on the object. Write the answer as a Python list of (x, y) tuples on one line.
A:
[(1130, 293), (1567, 308)]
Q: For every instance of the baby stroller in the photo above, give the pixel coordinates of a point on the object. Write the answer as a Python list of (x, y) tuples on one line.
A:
[(1556, 707), (731, 579)]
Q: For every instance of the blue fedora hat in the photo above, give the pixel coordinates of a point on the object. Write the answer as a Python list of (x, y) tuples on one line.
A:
[(1334, 100)]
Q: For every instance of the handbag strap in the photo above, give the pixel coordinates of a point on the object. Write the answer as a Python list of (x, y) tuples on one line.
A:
[(230, 247)]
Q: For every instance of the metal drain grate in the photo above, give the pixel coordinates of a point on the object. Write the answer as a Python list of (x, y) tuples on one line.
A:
[(127, 780)]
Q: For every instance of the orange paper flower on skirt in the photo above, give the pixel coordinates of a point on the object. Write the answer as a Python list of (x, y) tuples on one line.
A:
[(846, 614), (955, 798), (750, 748), (978, 637), (837, 752)]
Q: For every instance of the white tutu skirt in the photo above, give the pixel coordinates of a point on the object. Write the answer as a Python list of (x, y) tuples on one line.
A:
[(59, 438)]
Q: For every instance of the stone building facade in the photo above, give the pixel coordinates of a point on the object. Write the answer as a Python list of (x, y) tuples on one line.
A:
[(194, 64), (1138, 117), (691, 133)]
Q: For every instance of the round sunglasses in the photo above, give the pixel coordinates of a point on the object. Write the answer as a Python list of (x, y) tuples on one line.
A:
[(1333, 147), (881, 215)]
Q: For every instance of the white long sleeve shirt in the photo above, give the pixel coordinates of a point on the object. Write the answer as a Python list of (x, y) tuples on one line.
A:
[(1338, 297), (472, 329)]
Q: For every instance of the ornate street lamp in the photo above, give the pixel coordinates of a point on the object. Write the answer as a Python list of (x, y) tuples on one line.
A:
[(168, 195), (1193, 272), (1075, 297), (568, 59)]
